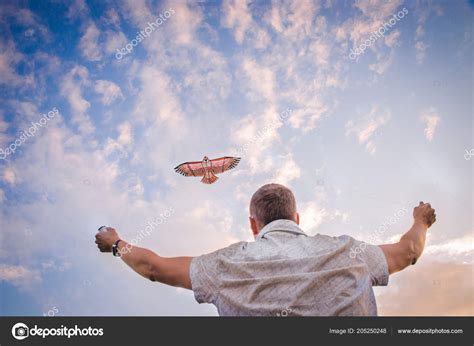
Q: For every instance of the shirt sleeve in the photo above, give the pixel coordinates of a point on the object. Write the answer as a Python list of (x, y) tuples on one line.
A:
[(203, 285), (374, 258), (206, 271)]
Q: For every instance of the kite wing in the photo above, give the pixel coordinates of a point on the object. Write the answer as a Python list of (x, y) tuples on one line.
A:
[(190, 169), (223, 164)]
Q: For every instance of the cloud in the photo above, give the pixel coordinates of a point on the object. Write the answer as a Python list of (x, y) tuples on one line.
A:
[(260, 80), (138, 11), (111, 17), (26, 20), (308, 117), (207, 77), (377, 9), (460, 249), (321, 51), (417, 291), (392, 39), (27, 109), (157, 101), (20, 276), (374, 13), (89, 45), (288, 171), (9, 58), (420, 45), (382, 65), (184, 23), (254, 135), (294, 19), (222, 220), (109, 91), (274, 17), (113, 41), (316, 212), (9, 176), (71, 89), (124, 139), (312, 216), (421, 48), (4, 137), (423, 12), (365, 128), (237, 17), (78, 8), (444, 270), (431, 119)]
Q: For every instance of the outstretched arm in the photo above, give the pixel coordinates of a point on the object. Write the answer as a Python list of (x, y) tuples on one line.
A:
[(172, 271), (406, 252)]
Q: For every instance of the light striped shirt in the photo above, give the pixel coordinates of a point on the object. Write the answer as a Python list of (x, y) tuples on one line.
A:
[(285, 272)]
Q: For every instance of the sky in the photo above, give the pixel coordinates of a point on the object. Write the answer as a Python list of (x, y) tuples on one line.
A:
[(362, 108)]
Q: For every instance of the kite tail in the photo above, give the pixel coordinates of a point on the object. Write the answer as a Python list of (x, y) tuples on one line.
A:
[(209, 179)]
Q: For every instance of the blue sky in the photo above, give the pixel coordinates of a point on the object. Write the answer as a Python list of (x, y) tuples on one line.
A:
[(364, 139)]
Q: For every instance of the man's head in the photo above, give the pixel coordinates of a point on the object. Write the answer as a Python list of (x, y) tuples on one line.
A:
[(269, 203)]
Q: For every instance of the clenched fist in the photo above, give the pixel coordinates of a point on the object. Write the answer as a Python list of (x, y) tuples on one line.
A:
[(106, 238), (424, 214)]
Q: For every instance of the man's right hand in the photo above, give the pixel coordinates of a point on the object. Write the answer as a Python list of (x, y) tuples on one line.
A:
[(106, 238), (424, 214)]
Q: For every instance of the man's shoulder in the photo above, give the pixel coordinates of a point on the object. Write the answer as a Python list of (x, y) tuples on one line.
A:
[(228, 250), (331, 239)]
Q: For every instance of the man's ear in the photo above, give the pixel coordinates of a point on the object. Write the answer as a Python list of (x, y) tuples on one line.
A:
[(253, 226), (297, 218)]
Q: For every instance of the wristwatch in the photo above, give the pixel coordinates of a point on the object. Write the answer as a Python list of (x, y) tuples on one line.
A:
[(115, 249)]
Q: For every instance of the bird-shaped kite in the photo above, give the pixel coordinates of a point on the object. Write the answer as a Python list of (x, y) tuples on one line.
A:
[(207, 168)]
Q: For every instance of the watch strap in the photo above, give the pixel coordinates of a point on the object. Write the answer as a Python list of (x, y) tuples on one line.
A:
[(115, 249)]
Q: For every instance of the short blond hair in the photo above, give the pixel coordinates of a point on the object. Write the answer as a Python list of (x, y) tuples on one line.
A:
[(272, 202)]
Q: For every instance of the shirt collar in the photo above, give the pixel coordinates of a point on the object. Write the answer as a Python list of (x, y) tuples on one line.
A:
[(281, 225)]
